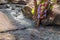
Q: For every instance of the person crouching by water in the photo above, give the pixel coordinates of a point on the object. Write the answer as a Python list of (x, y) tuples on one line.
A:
[(42, 11)]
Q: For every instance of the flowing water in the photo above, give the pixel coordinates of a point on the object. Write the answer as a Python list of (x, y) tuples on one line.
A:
[(30, 33)]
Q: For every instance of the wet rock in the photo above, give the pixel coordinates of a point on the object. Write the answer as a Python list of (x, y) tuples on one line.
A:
[(27, 12), (35, 34), (26, 34), (27, 9)]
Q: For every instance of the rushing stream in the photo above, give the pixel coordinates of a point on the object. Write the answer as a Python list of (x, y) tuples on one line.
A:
[(17, 18)]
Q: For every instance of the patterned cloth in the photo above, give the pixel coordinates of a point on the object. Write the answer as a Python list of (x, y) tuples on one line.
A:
[(41, 8), (32, 11)]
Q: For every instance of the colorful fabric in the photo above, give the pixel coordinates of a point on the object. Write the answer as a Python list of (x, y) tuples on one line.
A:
[(32, 11), (41, 8)]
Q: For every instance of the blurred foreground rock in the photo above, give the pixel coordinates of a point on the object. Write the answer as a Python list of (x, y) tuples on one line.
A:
[(6, 36), (5, 23)]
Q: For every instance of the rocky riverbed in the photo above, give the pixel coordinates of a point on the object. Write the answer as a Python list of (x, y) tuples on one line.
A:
[(25, 28)]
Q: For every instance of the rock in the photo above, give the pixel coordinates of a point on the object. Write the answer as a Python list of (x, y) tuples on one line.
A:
[(3, 1), (19, 1), (7, 36), (13, 1), (27, 34), (27, 9), (5, 23), (27, 12), (56, 10)]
